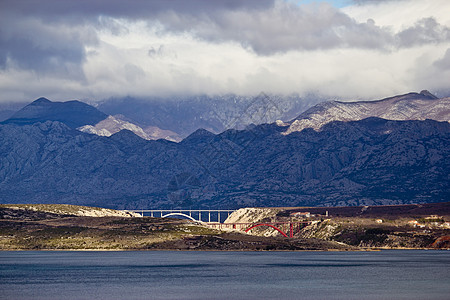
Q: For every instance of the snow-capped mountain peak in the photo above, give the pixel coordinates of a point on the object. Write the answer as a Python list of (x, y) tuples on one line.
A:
[(412, 106), (114, 124)]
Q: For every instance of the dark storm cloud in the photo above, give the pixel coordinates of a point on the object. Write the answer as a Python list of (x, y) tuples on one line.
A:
[(52, 35), (425, 31), (30, 43), (286, 27), (60, 9)]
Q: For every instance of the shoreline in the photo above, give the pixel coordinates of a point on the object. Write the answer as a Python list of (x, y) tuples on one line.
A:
[(221, 250), (34, 230)]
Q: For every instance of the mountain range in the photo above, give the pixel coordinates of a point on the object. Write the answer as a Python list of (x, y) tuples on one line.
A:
[(364, 160), (184, 115)]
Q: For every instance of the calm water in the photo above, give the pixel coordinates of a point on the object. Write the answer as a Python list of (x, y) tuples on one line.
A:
[(225, 275)]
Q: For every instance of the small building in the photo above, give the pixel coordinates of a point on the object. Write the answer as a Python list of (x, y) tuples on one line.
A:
[(433, 217), (416, 224), (299, 214)]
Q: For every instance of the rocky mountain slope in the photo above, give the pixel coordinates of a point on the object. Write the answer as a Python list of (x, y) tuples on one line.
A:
[(43, 159), (412, 106), (367, 162)]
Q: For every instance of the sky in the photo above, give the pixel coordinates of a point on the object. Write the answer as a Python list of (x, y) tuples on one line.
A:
[(342, 49)]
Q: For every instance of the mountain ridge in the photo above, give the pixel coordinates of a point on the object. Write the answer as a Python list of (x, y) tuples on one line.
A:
[(368, 162), (73, 113), (411, 106), (184, 115)]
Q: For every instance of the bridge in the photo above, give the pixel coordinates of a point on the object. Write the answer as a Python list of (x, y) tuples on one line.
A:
[(215, 217), (286, 229), (196, 215)]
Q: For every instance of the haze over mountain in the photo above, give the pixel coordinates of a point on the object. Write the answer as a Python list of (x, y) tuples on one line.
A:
[(369, 161), (9, 108), (184, 115)]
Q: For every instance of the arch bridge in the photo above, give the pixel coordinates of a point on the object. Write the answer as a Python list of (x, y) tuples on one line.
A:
[(286, 229), (196, 215)]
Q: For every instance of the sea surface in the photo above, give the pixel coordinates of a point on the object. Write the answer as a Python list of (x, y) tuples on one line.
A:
[(393, 274)]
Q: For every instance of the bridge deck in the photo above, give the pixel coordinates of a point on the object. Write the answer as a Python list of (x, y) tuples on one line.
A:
[(201, 215)]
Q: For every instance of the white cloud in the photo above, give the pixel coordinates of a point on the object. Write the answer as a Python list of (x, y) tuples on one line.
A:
[(400, 14), (365, 51)]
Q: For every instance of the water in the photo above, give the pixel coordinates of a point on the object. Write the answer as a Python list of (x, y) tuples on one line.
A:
[(225, 275)]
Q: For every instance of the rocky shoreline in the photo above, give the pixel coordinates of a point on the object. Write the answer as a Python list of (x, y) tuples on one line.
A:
[(32, 227)]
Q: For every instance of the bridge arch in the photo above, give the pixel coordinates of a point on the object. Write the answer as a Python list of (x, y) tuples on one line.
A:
[(262, 224), (180, 214)]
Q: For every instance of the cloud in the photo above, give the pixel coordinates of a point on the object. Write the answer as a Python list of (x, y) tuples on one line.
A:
[(76, 11), (425, 31), (266, 27), (365, 2), (161, 51), (285, 27), (97, 49), (51, 36), (444, 62), (30, 43)]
